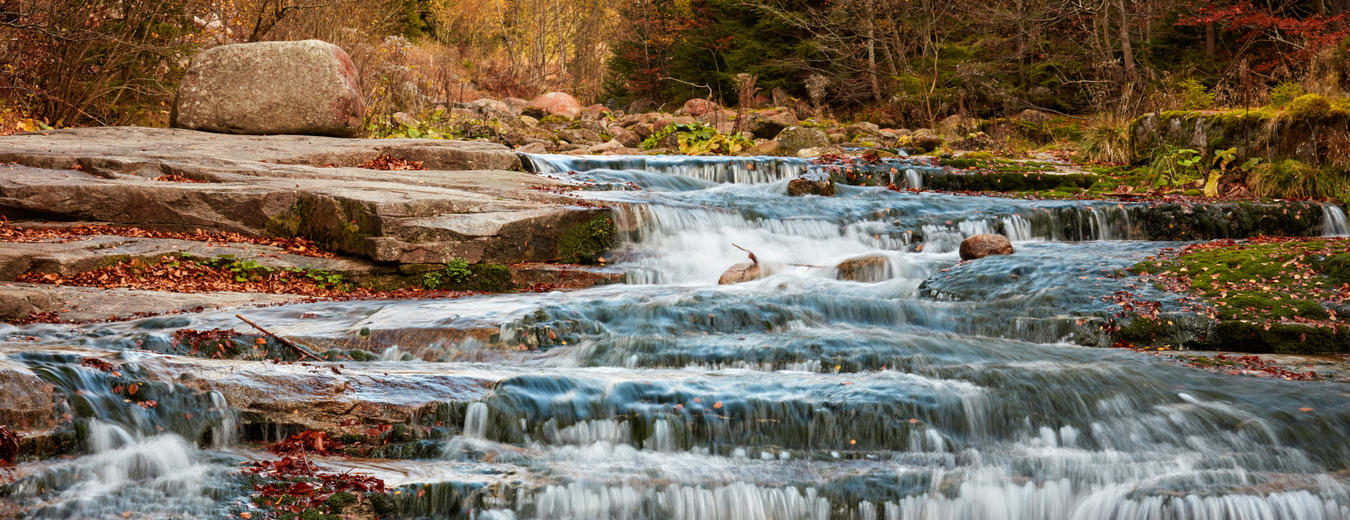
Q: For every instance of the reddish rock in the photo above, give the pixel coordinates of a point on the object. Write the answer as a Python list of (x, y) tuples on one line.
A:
[(866, 269), (699, 106), (810, 186), (554, 103), (742, 272), (980, 246)]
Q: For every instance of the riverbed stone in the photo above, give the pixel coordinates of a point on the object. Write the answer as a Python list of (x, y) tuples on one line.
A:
[(980, 246), (866, 269), (293, 87), (809, 185), (698, 107), (740, 273)]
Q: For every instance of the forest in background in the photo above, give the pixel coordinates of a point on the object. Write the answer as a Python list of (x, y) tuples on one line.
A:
[(895, 62)]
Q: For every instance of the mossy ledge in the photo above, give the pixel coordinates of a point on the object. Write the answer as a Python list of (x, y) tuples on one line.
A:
[(587, 242)]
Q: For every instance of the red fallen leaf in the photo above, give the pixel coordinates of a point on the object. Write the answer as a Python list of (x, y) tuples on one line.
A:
[(385, 162), (98, 364), (308, 441), (9, 233), (132, 388)]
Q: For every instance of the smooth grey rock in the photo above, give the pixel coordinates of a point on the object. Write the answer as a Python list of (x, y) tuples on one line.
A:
[(296, 87)]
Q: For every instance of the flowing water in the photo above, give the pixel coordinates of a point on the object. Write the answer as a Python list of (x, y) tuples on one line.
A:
[(934, 390)]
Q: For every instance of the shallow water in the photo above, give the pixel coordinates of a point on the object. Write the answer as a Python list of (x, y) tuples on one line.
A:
[(944, 390)]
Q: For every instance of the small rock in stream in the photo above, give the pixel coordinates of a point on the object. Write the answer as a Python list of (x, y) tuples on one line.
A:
[(980, 246), (742, 272), (866, 269)]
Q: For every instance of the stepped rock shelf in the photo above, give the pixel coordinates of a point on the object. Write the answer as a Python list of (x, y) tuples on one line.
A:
[(865, 372), (470, 202)]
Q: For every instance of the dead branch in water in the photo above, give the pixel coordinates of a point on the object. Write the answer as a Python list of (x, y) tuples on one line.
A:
[(755, 259), (304, 352)]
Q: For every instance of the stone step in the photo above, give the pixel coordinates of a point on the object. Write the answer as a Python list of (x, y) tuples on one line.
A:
[(307, 187)]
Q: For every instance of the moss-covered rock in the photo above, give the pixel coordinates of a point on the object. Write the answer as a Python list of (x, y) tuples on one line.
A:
[(585, 243), (1268, 133)]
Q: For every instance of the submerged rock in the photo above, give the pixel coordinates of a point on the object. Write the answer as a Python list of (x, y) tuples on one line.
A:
[(810, 185), (866, 269), (304, 87), (980, 246)]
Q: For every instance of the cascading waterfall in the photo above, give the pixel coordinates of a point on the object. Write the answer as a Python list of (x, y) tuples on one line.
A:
[(748, 170), (1333, 221), (139, 458), (928, 389)]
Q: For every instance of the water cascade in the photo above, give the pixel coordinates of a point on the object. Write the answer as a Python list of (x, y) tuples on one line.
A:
[(945, 390)]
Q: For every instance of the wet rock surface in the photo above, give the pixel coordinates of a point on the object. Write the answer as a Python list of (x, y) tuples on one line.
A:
[(866, 269), (980, 246), (796, 394)]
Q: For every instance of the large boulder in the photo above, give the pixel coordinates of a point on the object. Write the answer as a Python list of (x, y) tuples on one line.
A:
[(488, 108), (980, 246), (796, 138), (766, 124), (299, 87), (554, 103)]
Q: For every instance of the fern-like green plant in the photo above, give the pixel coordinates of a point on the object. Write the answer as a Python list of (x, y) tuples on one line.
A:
[(1195, 96)]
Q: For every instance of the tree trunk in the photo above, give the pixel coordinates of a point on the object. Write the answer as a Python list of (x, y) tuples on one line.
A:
[(1125, 48), (1210, 45), (872, 51)]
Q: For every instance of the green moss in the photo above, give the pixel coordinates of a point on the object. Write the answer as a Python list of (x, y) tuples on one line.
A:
[(362, 355), (383, 504), (1308, 107), (339, 501), (1259, 282), (460, 275), (1277, 338), (587, 242), (286, 225)]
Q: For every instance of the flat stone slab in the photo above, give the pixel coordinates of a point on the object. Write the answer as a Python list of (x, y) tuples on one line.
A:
[(93, 304), (471, 202), (152, 152), (79, 255)]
